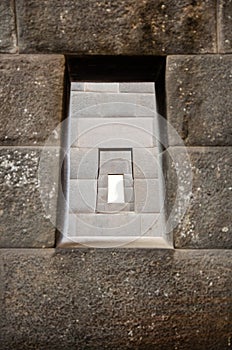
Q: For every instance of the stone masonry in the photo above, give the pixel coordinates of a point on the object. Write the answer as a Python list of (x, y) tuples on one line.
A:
[(119, 298)]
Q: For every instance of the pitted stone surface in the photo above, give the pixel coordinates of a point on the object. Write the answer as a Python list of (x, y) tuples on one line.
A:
[(225, 26), (31, 95), (8, 41), (207, 221), (117, 27), (199, 99), (117, 299), (24, 222)]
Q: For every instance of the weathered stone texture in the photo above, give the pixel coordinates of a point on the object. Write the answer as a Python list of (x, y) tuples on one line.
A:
[(225, 26), (199, 100), (207, 221), (31, 98), (116, 299), (117, 27), (24, 221), (8, 41)]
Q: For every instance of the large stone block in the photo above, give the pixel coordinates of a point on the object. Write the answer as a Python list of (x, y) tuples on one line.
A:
[(27, 201), (225, 26), (207, 220), (115, 299), (31, 98), (8, 40), (199, 99), (122, 27), (112, 132)]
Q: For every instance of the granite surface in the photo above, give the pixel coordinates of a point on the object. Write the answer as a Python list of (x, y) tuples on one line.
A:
[(225, 26), (116, 299), (8, 37), (31, 98), (117, 27), (199, 99), (28, 200), (207, 220)]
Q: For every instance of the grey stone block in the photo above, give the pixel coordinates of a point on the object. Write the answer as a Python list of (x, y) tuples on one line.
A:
[(120, 154), (8, 42), (137, 87), (145, 163), (61, 297), (198, 99), (28, 202), (102, 87), (31, 97), (109, 208), (224, 26), (83, 163), (207, 220), (147, 196), (99, 225), (122, 28), (152, 225), (115, 166), (77, 86), (82, 196), (129, 195), (114, 133), (95, 105)]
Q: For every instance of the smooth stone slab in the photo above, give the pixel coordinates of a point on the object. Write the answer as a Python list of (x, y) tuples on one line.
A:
[(95, 105), (199, 99), (8, 40), (207, 220), (117, 28), (83, 163), (137, 87), (225, 25), (31, 99), (24, 217), (146, 163), (112, 133), (147, 196), (82, 196), (115, 298)]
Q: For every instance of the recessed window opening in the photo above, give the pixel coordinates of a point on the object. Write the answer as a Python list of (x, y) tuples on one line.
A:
[(114, 187)]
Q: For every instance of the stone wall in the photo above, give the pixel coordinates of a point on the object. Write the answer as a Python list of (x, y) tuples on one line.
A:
[(115, 298)]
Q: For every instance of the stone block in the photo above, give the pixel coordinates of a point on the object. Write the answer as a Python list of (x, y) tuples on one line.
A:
[(115, 298), (145, 163), (31, 95), (82, 196), (121, 224), (120, 154), (114, 133), (113, 208), (83, 163), (8, 42), (147, 196), (207, 220), (101, 87), (224, 26), (29, 190), (137, 87), (95, 105), (198, 99), (121, 28), (129, 195), (115, 166), (77, 86), (152, 225), (128, 180)]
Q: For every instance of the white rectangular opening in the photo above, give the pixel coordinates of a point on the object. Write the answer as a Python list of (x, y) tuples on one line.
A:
[(115, 189)]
